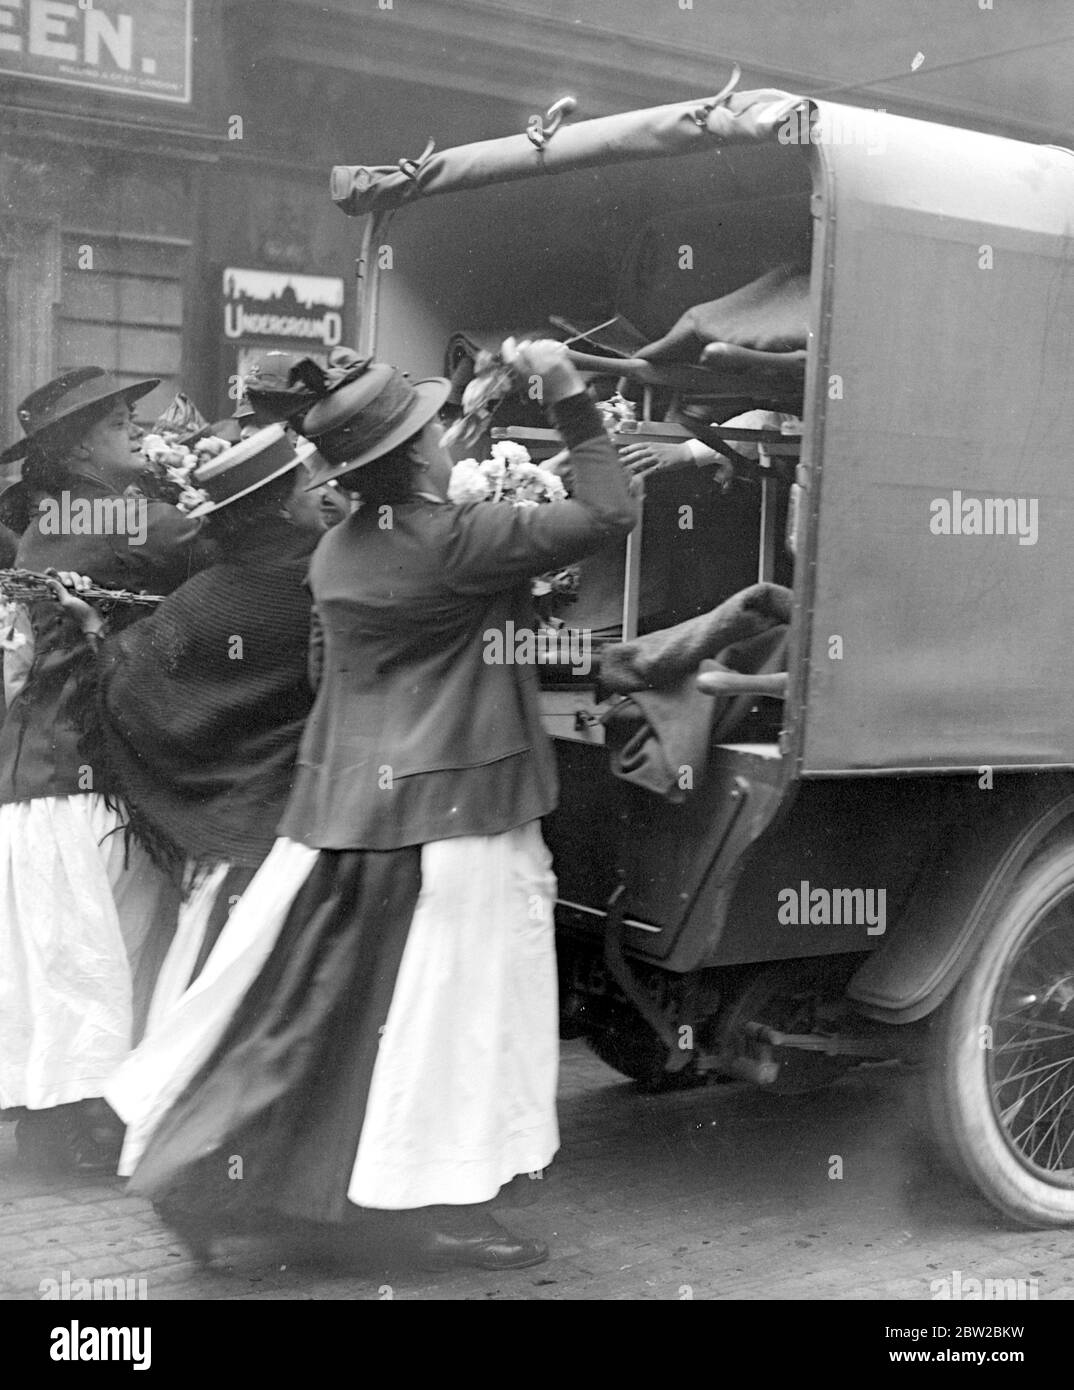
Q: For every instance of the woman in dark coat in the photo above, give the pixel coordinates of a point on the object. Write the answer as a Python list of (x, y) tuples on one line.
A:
[(203, 703), (84, 919), (376, 1033)]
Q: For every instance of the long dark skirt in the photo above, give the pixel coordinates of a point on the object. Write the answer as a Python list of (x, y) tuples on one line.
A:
[(271, 1122)]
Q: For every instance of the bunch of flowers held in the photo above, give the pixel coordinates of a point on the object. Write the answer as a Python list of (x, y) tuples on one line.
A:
[(11, 639), (175, 448), (511, 476)]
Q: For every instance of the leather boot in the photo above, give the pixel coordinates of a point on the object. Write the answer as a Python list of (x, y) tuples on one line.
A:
[(450, 1237)]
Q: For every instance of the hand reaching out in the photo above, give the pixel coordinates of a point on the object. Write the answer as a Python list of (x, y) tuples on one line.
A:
[(641, 459), (652, 456)]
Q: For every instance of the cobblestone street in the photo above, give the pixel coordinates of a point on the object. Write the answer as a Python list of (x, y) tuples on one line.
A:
[(718, 1193)]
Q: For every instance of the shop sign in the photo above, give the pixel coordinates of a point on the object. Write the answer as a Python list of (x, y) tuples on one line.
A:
[(272, 305), (139, 47)]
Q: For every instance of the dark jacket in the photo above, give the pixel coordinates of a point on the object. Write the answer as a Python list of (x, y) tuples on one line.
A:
[(203, 702), (42, 750), (415, 736)]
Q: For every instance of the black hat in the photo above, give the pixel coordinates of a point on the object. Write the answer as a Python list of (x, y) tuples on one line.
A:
[(54, 407), (271, 393), (368, 416)]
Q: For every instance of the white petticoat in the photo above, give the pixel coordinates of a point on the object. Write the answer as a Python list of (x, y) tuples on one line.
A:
[(81, 940), (463, 1092), (463, 1096), (184, 1032), (178, 964)]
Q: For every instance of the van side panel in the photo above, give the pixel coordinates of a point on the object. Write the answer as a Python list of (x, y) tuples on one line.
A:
[(940, 597)]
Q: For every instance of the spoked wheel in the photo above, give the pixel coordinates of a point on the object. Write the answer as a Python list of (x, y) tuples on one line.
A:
[(1002, 1075)]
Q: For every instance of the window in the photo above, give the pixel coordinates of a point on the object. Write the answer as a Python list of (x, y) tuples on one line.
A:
[(122, 309)]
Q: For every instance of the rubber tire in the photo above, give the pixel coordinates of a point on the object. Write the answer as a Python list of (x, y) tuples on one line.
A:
[(959, 1101), (640, 1056)]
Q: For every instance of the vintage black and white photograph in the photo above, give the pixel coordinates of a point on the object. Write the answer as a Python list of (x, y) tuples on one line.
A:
[(537, 742)]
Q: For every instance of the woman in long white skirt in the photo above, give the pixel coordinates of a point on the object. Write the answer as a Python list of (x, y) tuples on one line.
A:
[(374, 1040), (84, 916)]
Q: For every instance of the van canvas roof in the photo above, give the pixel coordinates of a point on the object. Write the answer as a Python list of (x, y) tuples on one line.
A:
[(684, 128)]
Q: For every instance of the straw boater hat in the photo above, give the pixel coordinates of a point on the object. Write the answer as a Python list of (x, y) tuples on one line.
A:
[(54, 408), (368, 416), (247, 466)]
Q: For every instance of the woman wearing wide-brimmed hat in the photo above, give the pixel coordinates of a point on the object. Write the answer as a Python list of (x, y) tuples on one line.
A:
[(202, 703), (84, 919), (376, 1033)]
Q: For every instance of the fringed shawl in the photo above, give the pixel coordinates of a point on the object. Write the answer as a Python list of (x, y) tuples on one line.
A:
[(202, 704)]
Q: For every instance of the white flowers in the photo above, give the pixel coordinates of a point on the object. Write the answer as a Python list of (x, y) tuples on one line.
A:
[(10, 639), (468, 482), (191, 497), (179, 460), (508, 476), (163, 452), (512, 454), (159, 451)]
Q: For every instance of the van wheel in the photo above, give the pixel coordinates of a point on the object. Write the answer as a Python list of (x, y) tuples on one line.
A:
[(1001, 1077), (635, 1051)]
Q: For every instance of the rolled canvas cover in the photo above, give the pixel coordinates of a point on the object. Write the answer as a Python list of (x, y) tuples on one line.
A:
[(684, 128)]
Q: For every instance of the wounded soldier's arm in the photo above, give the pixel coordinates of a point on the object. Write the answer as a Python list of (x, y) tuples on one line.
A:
[(647, 457)]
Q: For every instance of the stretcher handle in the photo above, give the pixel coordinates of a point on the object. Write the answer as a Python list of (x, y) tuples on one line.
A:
[(721, 682)]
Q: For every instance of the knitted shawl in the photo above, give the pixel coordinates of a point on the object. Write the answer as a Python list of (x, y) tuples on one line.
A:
[(202, 704)]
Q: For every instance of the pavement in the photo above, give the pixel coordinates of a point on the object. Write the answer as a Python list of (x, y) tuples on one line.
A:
[(723, 1192)]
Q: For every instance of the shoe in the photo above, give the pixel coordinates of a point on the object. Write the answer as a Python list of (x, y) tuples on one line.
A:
[(196, 1233), (495, 1249), (102, 1125), (199, 1231), (57, 1141)]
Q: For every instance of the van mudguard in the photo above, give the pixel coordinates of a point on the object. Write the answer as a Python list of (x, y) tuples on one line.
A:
[(975, 866)]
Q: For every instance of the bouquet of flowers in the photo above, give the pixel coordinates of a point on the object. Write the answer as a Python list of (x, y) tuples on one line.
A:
[(177, 445), (511, 476), (10, 638)]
